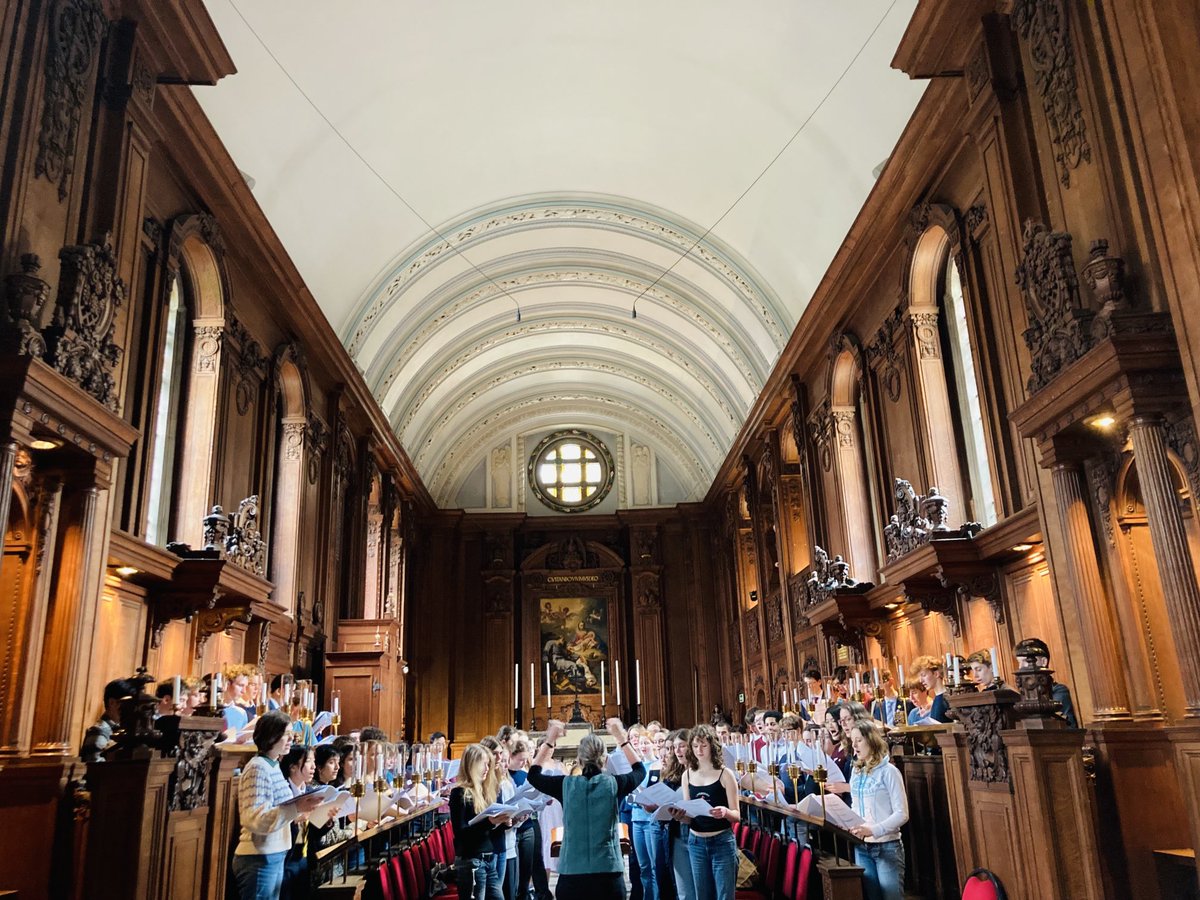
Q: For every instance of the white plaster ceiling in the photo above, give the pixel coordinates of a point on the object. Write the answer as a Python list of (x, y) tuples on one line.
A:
[(561, 157)]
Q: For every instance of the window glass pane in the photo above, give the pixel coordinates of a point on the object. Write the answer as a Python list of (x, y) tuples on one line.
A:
[(570, 451), (589, 490), (572, 473), (592, 473), (547, 473), (571, 494), (969, 407), (166, 413)]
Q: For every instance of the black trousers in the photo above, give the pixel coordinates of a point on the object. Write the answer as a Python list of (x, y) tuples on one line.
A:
[(541, 881), (603, 886)]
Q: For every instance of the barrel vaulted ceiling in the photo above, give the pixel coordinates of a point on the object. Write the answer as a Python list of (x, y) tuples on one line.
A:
[(479, 194)]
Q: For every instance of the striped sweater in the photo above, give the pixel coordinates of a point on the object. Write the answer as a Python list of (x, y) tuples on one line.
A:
[(261, 788)]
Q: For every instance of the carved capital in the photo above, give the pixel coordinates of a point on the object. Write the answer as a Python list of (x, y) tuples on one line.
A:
[(925, 333), (208, 348), (293, 439)]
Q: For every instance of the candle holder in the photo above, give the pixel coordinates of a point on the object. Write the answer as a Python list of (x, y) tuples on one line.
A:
[(773, 771), (335, 722), (794, 770), (751, 768), (820, 776), (740, 766), (357, 790)]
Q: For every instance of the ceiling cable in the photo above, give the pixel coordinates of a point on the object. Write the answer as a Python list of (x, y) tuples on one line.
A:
[(774, 159), (365, 162)]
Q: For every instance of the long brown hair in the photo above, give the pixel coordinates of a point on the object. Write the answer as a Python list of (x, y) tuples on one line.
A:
[(672, 768), (709, 734), (874, 737)]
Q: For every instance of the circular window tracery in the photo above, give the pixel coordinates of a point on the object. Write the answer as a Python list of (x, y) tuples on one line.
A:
[(571, 471)]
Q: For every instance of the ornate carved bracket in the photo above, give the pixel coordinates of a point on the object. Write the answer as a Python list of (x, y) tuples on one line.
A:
[(884, 354), (79, 340), (1045, 26), (984, 716), (215, 621), (25, 294), (920, 519), (237, 537)]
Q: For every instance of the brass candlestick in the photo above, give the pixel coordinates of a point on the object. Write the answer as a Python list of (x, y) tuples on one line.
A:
[(793, 770), (335, 722), (357, 791), (773, 771), (820, 776)]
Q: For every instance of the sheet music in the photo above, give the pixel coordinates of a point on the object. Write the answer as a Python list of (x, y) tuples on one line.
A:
[(691, 808), (496, 809), (618, 764), (835, 811), (657, 794)]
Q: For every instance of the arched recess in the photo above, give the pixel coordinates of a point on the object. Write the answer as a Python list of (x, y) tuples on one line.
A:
[(851, 454), (945, 372), (18, 582), (292, 397), (195, 246)]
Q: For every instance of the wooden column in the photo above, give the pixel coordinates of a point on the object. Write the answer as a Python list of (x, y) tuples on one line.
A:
[(1109, 695), (853, 486), (1175, 569)]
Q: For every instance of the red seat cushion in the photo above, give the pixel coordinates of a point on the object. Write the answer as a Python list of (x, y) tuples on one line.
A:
[(408, 871), (771, 873), (389, 887), (804, 873), (791, 865), (982, 885)]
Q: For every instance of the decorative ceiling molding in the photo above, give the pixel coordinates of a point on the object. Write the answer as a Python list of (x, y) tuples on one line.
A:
[(483, 407), (613, 214), (744, 359), (718, 431), (434, 374), (581, 410)]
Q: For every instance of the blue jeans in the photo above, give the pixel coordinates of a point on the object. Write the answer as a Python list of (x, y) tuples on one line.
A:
[(883, 870), (646, 846), (714, 865), (471, 873), (681, 866), (259, 876), (496, 876)]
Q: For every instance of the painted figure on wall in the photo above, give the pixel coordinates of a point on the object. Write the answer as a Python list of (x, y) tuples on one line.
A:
[(574, 642)]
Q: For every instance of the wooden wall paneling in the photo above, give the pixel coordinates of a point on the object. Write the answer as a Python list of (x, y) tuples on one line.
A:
[(222, 815), (30, 792)]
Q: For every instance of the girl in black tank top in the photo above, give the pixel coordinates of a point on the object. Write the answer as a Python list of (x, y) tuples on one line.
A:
[(716, 795), (712, 850)]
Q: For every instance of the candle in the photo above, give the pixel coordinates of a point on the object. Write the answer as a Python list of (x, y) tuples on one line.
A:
[(337, 703), (548, 691), (516, 685), (901, 670), (875, 675), (175, 692), (637, 680), (617, 679), (795, 696), (995, 668), (782, 697), (949, 664), (531, 687), (602, 694), (957, 673)]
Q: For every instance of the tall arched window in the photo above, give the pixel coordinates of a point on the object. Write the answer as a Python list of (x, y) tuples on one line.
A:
[(963, 383), (168, 406)]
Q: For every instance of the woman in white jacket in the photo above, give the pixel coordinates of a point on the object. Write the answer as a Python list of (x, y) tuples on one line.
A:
[(265, 832), (877, 794)]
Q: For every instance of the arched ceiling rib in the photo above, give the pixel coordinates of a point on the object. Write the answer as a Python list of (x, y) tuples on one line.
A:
[(570, 160)]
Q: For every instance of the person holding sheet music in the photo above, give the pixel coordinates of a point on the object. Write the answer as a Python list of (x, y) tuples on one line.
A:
[(930, 671), (258, 859), (673, 766), (712, 848), (474, 852), (645, 832), (589, 864), (298, 766), (503, 880), (877, 789), (530, 869)]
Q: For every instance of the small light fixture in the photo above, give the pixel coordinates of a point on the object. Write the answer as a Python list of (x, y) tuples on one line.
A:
[(1103, 422), (891, 606), (1021, 548), (126, 571), (44, 444)]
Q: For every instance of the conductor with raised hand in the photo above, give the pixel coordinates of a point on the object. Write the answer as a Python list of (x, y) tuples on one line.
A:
[(590, 865)]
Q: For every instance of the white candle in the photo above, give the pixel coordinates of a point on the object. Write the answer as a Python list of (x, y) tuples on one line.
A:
[(995, 668), (875, 675), (949, 664), (531, 680), (516, 685), (548, 691), (795, 696), (337, 703), (957, 673), (603, 696), (900, 686), (637, 680), (783, 697), (175, 692), (617, 679)]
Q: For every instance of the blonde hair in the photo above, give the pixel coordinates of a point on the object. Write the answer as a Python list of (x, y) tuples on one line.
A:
[(481, 792), (928, 664), (874, 738), (497, 774), (592, 755), (983, 657), (235, 670)]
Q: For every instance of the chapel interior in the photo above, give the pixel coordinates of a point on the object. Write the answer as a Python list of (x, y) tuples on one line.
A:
[(485, 364)]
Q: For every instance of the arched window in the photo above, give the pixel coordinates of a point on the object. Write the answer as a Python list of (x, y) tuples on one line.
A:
[(168, 403), (963, 384), (571, 471)]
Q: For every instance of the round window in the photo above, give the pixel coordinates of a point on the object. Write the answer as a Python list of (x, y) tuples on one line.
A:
[(571, 471)]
